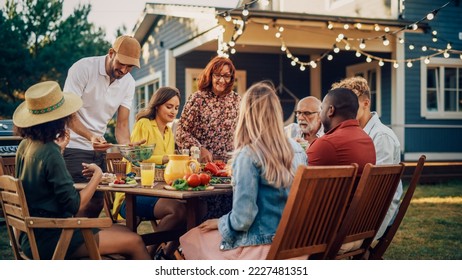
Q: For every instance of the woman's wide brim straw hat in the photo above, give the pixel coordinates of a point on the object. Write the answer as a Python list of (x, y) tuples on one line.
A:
[(45, 102)]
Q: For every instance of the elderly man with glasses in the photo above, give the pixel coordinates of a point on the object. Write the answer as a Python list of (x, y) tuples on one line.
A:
[(308, 126)]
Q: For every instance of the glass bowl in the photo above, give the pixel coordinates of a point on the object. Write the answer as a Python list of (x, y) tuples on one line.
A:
[(137, 154)]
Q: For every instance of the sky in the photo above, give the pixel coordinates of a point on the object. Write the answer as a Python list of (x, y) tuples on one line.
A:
[(112, 14)]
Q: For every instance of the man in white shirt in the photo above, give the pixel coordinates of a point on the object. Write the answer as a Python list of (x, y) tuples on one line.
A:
[(386, 142), (308, 126), (106, 87)]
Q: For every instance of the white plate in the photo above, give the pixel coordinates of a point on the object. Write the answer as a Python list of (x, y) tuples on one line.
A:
[(222, 186), (123, 185)]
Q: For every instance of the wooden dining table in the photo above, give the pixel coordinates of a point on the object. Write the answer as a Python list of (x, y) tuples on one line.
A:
[(191, 199)]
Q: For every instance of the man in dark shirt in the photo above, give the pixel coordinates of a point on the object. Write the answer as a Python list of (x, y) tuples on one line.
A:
[(344, 142)]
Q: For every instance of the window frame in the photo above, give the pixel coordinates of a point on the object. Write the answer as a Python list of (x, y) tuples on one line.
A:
[(441, 64), (364, 69)]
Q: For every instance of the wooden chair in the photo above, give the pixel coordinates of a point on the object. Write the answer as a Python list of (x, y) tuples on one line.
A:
[(376, 253), (16, 212), (316, 204), (7, 166), (109, 196), (369, 205)]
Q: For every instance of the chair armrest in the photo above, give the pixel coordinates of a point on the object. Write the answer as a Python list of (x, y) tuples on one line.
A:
[(81, 222)]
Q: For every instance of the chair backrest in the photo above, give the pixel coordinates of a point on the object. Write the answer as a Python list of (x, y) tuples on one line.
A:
[(379, 249), (110, 158), (316, 204), (109, 196), (7, 166), (369, 205), (16, 212)]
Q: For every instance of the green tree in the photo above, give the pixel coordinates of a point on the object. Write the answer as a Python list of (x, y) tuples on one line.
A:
[(38, 44)]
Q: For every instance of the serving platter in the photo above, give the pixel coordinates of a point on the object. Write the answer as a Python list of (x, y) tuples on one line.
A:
[(170, 188), (123, 185)]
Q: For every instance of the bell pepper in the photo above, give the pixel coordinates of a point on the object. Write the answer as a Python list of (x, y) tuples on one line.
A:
[(212, 168), (180, 184)]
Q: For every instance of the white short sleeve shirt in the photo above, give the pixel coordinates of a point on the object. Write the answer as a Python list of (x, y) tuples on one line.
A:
[(88, 79)]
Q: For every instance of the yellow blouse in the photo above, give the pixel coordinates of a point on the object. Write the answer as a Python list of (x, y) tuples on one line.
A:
[(148, 129)]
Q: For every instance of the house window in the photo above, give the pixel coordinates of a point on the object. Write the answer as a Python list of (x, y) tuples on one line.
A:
[(145, 88), (441, 89), (192, 77)]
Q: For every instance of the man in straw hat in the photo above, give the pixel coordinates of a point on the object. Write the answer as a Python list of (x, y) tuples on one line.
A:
[(41, 120), (105, 86)]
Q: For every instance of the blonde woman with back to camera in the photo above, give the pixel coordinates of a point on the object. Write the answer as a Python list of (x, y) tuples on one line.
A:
[(264, 163)]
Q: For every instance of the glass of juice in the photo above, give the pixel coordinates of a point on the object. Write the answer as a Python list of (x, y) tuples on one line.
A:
[(147, 171)]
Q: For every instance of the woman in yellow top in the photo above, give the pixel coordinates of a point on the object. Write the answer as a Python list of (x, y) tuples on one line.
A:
[(151, 124)]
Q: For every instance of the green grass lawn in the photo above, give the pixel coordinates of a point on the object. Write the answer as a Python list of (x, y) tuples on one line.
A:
[(431, 229)]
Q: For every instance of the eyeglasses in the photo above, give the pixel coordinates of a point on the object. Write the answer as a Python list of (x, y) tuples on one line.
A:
[(304, 113), (226, 77)]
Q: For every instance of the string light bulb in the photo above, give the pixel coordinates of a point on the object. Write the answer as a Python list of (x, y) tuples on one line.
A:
[(409, 64), (362, 45), (386, 42), (431, 15), (427, 60), (293, 63), (336, 49), (330, 25), (266, 27), (376, 27), (446, 54), (381, 63), (411, 47), (395, 64), (448, 46), (358, 25), (424, 48), (245, 12), (401, 40), (281, 29), (414, 26), (346, 26), (330, 57), (386, 29), (347, 47), (302, 67), (358, 54), (368, 59)]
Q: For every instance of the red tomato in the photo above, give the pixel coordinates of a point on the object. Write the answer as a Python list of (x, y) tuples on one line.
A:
[(194, 180), (205, 178)]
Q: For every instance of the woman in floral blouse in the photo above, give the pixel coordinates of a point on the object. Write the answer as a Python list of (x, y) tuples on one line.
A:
[(209, 117), (208, 121)]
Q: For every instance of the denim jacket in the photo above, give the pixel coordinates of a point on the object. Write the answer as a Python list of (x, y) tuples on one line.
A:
[(257, 205)]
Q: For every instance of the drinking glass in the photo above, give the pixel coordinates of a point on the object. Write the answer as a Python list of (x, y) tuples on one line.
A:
[(147, 173)]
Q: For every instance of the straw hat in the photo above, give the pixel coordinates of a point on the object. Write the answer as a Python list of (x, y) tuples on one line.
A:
[(45, 102)]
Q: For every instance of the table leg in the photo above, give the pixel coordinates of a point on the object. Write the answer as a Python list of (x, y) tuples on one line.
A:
[(192, 213), (130, 201)]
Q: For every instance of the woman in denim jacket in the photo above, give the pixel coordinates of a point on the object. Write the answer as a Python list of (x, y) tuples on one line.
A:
[(264, 164)]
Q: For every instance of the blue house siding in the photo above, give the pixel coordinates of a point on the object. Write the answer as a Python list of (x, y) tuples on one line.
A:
[(169, 34), (428, 137), (434, 140)]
